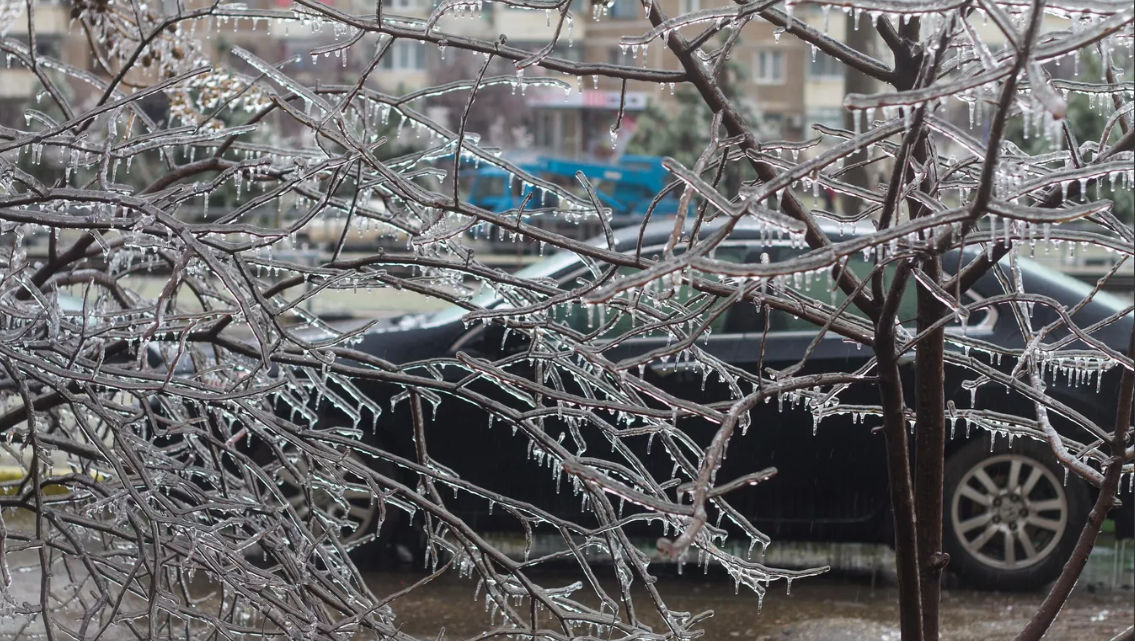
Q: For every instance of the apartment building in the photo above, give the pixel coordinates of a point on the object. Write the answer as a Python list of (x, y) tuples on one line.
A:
[(776, 77), (779, 78), (17, 84)]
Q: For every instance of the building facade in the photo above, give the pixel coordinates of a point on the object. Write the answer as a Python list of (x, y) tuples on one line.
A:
[(779, 79)]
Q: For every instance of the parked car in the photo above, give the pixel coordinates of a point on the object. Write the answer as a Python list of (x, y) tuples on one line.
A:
[(1011, 515)]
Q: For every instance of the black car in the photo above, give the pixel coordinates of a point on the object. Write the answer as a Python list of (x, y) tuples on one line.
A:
[(1011, 515)]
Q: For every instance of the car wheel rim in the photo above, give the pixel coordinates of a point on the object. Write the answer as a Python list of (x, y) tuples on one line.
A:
[(1009, 512), (352, 513)]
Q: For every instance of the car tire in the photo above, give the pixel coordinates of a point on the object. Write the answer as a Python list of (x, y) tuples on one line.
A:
[(371, 545), (1011, 517)]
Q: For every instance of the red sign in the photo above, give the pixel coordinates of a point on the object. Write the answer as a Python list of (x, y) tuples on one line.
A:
[(552, 98)]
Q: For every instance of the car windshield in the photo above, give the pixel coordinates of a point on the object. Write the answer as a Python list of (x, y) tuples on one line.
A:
[(488, 297), (1077, 287)]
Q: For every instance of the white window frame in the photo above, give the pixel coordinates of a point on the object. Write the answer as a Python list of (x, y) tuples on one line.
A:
[(761, 67), (403, 57), (839, 70)]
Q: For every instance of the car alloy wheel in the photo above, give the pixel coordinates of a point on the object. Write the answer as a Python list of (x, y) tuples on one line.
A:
[(1009, 512)]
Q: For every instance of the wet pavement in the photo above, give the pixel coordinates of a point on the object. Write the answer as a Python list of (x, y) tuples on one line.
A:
[(829, 608), (832, 607), (857, 603)]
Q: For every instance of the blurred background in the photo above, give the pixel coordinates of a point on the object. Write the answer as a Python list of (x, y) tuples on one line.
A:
[(792, 91)]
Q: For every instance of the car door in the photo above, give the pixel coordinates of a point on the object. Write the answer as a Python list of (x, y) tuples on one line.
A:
[(661, 449), (831, 475), (832, 479), (669, 375), (835, 476)]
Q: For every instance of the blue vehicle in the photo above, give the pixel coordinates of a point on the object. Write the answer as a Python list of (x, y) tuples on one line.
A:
[(627, 186)]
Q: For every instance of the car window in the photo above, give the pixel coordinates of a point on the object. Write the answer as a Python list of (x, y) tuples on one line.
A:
[(861, 267), (487, 298), (566, 268), (785, 322), (587, 319)]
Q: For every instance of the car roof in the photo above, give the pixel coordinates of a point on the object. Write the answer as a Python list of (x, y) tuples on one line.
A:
[(658, 232)]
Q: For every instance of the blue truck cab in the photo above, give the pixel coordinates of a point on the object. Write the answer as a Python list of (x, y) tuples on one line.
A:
[(627, 186)]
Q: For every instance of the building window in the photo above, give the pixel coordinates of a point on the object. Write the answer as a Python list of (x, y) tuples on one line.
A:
[(769, 68), (405, 55), (825, 67), (547, 130), (624, 9), (826, 116), (772, 125), (47, 47), (689, 6), (575, 54)]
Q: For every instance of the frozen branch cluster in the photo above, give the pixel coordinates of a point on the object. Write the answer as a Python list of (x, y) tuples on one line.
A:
[(156, 428)]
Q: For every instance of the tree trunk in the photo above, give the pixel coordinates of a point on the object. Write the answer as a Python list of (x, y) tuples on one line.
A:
[(930, 451), (898, 472)]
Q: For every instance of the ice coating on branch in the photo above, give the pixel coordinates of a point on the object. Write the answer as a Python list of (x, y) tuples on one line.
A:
[(185, 372)]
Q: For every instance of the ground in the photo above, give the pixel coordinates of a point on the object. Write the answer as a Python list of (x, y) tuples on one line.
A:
[(834, 608), (856, 603)]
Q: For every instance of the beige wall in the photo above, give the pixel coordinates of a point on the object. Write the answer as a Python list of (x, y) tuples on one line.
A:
[(51, 26), (785, 99), (17, 83), (535, 26)]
